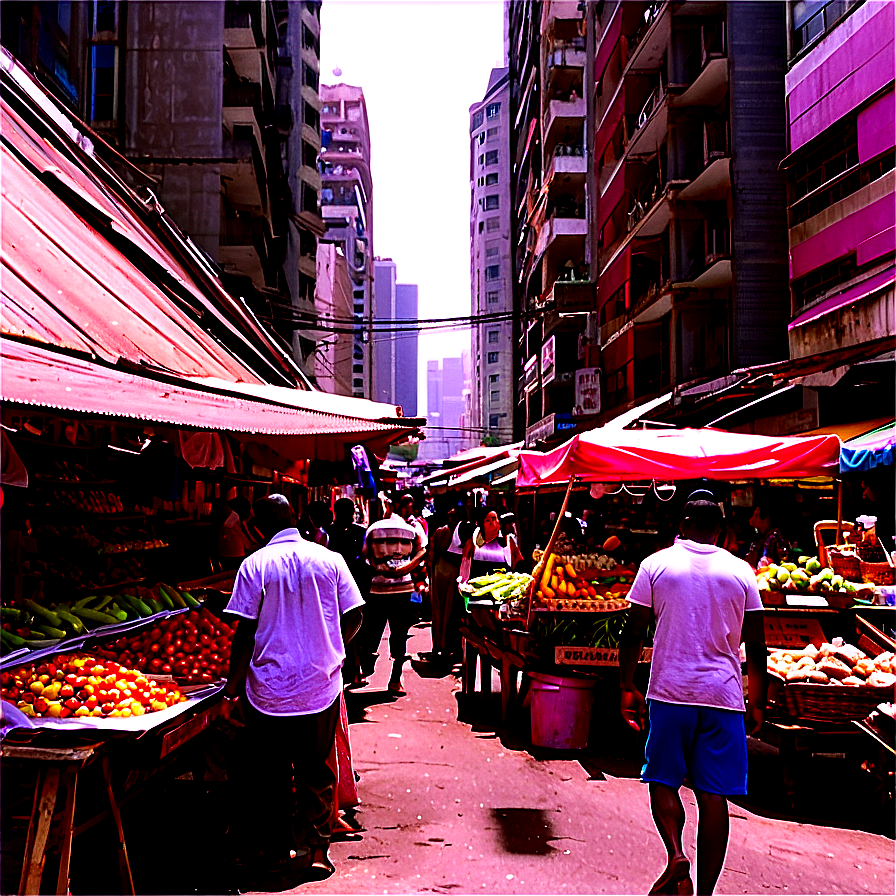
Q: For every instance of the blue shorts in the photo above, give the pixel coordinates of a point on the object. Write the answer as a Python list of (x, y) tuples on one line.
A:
[(709, 744)]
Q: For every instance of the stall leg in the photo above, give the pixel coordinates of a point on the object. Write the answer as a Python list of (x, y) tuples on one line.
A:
[(70, 782), (508, 687), (124, 865), (469, 667), (485, 674), (46, 790)]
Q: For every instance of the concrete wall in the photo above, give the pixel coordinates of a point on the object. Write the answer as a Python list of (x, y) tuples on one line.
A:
[(173, 107)]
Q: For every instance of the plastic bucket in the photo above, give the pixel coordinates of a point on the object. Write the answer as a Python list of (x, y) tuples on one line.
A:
[(560, 711)]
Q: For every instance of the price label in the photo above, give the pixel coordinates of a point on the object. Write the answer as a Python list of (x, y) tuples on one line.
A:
[(594, 656)]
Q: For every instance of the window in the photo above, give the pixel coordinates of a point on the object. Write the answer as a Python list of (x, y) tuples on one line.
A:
[(839, 152), (492, 421), (813, 18), (492, 357), (481, 159), (357, 368), (495, 397), (309, 155), (491, 252), (493, 337), (491, 202), (102, 82), (477, 121), (310, 76), (491, 157), (357, 383), (492, 110), (494, 378), (492, 298), (491, 134), (819, 281), (493, 224), (359, 308), (311, 117), (481, 137), (493, 272), (491, 178)]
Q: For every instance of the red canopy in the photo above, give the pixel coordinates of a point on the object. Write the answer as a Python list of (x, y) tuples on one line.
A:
[(614, 455)]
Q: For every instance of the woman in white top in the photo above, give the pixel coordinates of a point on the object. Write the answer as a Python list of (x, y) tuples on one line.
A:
[(489, 550)]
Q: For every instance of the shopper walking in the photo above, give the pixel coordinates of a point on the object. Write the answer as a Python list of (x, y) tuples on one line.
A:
[(705, 601), (297, 606), (445, 566), (394, 549)]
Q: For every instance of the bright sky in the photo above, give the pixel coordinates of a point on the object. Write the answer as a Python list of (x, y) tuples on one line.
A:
[(421, 66)]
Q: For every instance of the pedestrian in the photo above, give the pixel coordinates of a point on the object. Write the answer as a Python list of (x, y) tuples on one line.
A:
[(297, 606), (235, 540), (770, 545), (316, 522), (488, 549), (705, 601), (407, 511), (393, 549), (445, 566)]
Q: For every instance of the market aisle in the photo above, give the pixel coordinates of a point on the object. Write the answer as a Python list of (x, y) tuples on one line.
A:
[(448, 809)]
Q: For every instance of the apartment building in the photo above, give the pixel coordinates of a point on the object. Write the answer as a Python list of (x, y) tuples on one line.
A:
[(216, 103), (551, 213), (840, 173), (691, 216), (394, 338), (491, 276), (333, 301), (347, 209)]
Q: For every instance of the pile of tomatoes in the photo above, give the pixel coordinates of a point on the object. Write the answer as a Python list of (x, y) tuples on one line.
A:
[(84, 685), (194, 647)]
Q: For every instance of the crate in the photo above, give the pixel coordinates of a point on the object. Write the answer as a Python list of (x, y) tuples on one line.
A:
[(830, 702)]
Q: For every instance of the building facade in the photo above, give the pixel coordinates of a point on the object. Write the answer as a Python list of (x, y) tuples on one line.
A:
[(840, 172), (394, 338), (491, 275), (447, 408), (216, 103), (347, 209), (333, 300)]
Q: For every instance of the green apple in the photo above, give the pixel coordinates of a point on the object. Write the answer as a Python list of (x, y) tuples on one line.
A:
[(813, 566)]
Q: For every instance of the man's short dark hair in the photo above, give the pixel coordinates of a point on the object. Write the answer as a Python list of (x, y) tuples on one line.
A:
[(404, 498), (704, 516), (274, 513), (344, 508)]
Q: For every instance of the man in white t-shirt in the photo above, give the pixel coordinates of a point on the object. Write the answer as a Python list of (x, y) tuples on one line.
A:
[(298, 606), (705, 601)]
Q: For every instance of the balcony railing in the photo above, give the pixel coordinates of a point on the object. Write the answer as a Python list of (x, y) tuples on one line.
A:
[(718, 241), (651, 11), (715, 141), (713, 43), (655, 99)]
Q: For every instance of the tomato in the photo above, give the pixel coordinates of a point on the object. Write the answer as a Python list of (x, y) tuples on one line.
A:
[(203, 663), (66, 691), (91, 702), (72, 703), (155, 664), (141, 662), (106, 708), (170, 650), (71, 678), (166, 668), (206, 677), (114, 695), (154, 648)]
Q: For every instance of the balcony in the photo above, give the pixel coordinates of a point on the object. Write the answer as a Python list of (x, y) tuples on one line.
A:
[(242, 247), (712, 258), (710, 84), (568, 164), (560, 16), (648, 127), (242, 103), (569, 232), (567, 54), (647, 46), (243, 172), (562, 114), (714, 181), (243, 27)]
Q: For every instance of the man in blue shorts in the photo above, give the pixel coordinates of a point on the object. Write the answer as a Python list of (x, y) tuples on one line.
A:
[(705, 602)]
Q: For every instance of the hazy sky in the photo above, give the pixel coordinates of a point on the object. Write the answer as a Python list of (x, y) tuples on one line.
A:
[(421, 66)]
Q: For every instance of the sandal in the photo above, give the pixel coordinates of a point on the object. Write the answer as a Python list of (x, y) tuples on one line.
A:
[(397, 688), (321, 864)]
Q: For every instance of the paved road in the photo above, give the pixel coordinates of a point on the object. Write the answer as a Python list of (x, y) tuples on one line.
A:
[(451, 807)]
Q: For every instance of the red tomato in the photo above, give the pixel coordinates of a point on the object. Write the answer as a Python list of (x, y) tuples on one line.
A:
[(166, 668)]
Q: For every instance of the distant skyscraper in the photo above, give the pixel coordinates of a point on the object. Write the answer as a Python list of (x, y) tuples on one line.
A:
[(347, 208), (447, 408), (395, 353), (491, 399)]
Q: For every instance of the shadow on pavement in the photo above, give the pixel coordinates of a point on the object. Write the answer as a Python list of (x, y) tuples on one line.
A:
[(525, 831)]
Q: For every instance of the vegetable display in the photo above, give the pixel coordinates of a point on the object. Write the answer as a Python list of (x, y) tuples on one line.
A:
[(834, 663), (84, 685), (193, 647), (498, 586), (807, 576), (583, 582)]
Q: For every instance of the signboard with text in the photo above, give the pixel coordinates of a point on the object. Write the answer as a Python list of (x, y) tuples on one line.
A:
[(587, 399), (548, 366)]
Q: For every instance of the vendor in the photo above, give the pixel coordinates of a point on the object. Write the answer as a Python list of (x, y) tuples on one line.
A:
[(488, 550), (770, 546)]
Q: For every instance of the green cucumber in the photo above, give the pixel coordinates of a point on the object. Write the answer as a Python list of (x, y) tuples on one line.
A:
[(94, 616), (49, 630), (14, 615), (85, 600), (154, 605), (38, 610), (71, 619), (104, 601), (137, 604), (11, 640), (164, 598), (190, 600), (172, 594), (122, 612)]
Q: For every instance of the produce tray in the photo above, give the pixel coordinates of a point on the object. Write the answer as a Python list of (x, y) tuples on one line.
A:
[(827, 702), (581, 606)]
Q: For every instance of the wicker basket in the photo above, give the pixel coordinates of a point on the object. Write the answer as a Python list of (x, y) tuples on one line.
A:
[(876, 573), (830, 703), (824, 550), (845, 564)]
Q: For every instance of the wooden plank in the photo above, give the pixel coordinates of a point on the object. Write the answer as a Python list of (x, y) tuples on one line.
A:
[(35, 851), (124, 865), (70, 782)]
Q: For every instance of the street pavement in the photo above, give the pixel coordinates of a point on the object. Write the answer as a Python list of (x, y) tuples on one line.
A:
[(451, 804)]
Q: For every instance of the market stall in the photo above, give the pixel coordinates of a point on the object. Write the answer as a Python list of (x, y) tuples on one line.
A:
[(138, 396), (572, 622)]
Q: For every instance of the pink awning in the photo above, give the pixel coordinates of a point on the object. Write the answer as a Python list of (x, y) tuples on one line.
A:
[(604, 455), (877, 283)]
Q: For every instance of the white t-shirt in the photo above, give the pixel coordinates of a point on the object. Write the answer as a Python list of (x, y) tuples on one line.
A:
[(699, 594), (297, 590), (391, 543)]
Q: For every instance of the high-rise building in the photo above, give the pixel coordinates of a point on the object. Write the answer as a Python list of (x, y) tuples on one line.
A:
[(216, 103), (347, 209), (333, 299), (395, 353), (492, 332), (552, 205), (447, 394), (841, 176)]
